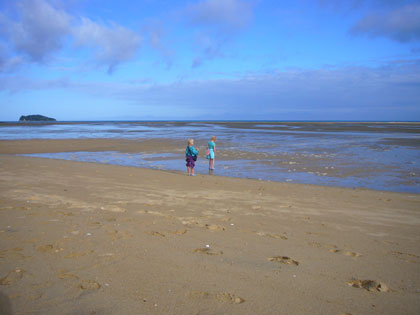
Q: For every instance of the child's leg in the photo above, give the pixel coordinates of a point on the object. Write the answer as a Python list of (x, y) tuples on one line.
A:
[(192, 170), (212, 162), (209, 163), (189, 170)]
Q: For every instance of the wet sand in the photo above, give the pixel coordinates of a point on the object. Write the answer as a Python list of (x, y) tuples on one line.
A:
[(88, 238)]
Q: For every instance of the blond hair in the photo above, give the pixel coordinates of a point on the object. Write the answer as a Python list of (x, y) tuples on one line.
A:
[(190, 141), (213, 138)]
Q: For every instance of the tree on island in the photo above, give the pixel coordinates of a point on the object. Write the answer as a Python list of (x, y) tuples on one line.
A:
[(35, 118)]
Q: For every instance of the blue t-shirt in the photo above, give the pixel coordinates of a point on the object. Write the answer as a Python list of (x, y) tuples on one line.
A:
[(190, 151), (211, 145)]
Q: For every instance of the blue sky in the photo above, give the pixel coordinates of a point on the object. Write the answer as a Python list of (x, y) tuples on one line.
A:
[(210, 59)]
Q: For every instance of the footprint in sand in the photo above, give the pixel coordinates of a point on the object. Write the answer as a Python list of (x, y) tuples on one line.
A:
[(67, 214), (180, 232), (213, 227), (405, 256), (189, 222), (278, 236), (369, 285), (345, 253), (207, 251), (155, 233), (218, 296), (117, 235), (284, 260), (96, 223), (89, 285), (113, 208), (14, 253), (49, 248), (12, 277), (78, 254), (67, 276)]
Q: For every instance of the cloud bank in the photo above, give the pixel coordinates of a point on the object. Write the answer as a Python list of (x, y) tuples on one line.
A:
[(113, 45), (389, 92)]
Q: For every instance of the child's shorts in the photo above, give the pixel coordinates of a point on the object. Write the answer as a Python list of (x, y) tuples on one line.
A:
[(190, 161)]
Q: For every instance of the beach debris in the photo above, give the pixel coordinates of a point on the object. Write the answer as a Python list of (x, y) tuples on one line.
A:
[(369, 285), (88, 234), (207, 246), (284, 260)]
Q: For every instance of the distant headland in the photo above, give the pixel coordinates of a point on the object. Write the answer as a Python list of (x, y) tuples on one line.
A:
[(36, 118)]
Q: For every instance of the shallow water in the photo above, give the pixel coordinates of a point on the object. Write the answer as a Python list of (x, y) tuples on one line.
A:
[(384, 156)]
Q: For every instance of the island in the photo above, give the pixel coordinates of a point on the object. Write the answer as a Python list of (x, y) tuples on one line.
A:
[(35, 118)]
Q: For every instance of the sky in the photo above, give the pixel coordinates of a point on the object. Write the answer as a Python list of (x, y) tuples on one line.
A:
[(210, 59)]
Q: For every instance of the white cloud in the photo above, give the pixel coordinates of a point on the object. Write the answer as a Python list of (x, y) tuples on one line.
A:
[(36, 31), (39, 32), (113, 45)]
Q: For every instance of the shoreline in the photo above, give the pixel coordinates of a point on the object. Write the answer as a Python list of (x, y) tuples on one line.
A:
[(168, 154), (87, 237), (183, 173)]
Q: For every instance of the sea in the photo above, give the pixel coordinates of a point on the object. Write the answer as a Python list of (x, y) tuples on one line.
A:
[(359, 155)]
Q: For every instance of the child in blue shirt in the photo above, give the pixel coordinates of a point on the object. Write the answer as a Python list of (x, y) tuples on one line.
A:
[(191, 156), (211, 152)]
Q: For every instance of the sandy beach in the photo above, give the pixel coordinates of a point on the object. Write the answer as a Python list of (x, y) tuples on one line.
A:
[(90, 238)]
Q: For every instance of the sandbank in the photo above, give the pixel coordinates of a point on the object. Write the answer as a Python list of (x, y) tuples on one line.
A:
[(88, 238)]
